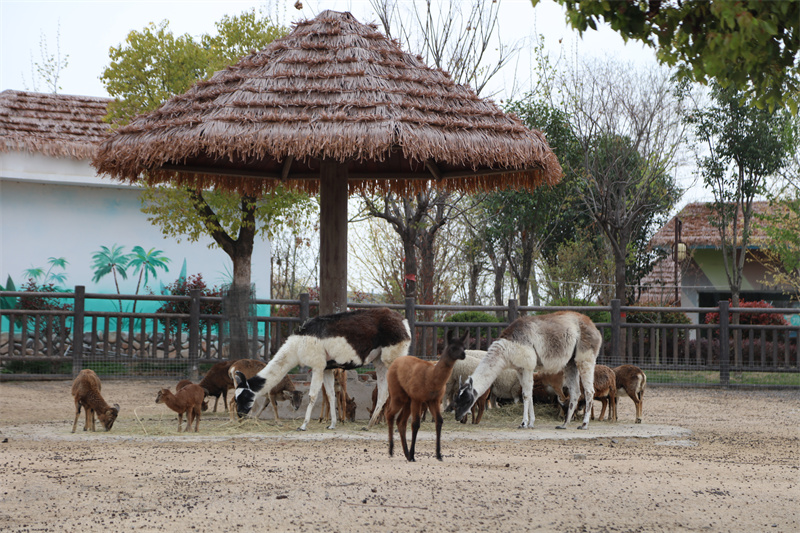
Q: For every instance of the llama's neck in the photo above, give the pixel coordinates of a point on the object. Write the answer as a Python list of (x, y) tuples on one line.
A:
[(287, 357), (490, 367)]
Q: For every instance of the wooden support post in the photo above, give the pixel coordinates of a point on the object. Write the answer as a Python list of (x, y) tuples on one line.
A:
[(333, 238)]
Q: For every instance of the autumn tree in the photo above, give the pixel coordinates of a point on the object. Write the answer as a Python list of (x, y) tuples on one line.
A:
[(153, 65), (745, 146), (749, 46)]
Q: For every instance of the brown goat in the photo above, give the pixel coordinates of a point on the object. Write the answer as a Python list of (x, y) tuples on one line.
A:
[(633, 381), (86, 392), (340, 389), (350, 409), (217, 382), (605, 390), (182, 383), (414, 383), (188, 400)]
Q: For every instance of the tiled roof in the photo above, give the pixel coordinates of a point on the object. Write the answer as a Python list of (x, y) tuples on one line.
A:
[(659, 284), (52, 124), (697, 230)]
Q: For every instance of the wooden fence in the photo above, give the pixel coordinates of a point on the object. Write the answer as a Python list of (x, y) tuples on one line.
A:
[(41, 343)]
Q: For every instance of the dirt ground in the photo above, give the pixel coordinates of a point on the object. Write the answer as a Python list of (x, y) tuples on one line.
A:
[(703, 460)]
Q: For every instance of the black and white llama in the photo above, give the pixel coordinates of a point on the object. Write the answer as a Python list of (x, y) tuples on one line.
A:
[(343, 340), (550, 343)]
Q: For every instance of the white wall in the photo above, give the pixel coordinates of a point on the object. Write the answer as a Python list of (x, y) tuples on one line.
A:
[(59, 208)]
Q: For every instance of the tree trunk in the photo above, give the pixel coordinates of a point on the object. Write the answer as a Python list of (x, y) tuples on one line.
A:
[(238, 298), (499, 268), (409, 266)]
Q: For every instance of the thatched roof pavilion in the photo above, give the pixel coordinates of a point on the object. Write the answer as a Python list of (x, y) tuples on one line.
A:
[(335, 105)]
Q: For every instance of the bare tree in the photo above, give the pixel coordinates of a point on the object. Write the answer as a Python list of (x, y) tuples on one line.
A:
[(49, 69), (459, 37), (629, 127)]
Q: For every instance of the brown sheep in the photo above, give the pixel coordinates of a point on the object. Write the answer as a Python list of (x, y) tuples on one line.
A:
[(188, 400), (182, 383), (86, 392), (217, 382), (633, 381)]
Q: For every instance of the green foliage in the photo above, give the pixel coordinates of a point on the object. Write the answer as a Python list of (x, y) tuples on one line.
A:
[(154, 64), (597, 317), (474, 316), (755, 140), (782, 226), (652, 317), (754, 144), (749, 45), (237, 36), (178, 212)]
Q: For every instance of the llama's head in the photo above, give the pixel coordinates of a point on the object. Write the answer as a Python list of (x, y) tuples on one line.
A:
[(245, 394), (466, 398), (455, 347)]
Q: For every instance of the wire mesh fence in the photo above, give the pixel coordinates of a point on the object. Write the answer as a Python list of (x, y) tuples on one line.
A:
[(55, 335)]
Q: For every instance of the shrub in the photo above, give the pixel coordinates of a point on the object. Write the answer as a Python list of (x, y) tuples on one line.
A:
[(182, 287), (596, 316), (755, 319), (36, 302), (474, 332)]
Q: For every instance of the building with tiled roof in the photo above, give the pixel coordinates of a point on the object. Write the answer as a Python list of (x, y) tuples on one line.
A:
[(701, 277), (53, 204)]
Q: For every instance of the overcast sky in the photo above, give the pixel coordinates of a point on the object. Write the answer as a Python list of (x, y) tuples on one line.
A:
[(88, 29)]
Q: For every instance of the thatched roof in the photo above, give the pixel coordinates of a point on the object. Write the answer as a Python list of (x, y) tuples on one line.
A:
[(333, 88), (52, 124), (697, 230)]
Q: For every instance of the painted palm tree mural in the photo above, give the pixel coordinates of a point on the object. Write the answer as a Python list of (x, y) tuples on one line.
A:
[(145, 264), (116, 262)]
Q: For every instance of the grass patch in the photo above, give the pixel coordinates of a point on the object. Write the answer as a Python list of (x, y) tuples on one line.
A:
[(158, 421), (686, 377)]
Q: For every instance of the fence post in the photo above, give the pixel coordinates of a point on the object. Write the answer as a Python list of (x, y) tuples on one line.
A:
[(79, 313), (724, 344), (411, 316), (194, 333), (513, 310), (616, 329), (305, 308)]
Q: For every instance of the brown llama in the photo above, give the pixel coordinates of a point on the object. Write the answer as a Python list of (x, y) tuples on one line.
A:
[(413, 383)]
